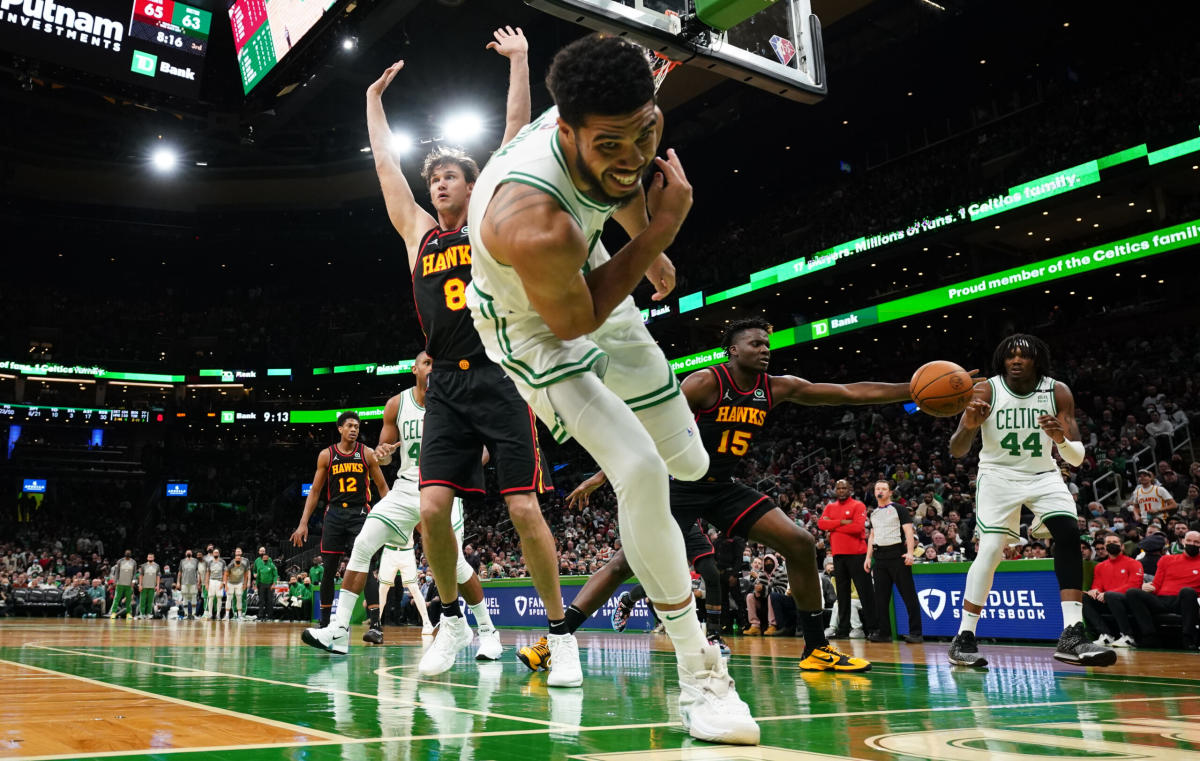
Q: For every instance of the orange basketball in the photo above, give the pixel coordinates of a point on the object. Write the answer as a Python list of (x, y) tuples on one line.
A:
[(941, 388)]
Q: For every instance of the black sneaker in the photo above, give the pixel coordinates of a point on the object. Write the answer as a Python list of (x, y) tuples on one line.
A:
[(878, 636), (374, 635), (1075, 648), (965, 652), (914, 639)]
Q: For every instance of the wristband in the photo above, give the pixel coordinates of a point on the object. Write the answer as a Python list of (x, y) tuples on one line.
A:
[(1071, 451)]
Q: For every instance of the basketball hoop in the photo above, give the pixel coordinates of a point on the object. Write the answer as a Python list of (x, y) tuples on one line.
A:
[(660, 67)]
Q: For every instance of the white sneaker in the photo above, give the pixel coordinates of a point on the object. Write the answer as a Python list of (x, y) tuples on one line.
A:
[(332, 638), (857, 634), (490, 647), (454, 633), (831, 632), (1104, 640), (708, 701), (427, 630), (1122, 641), (564, 661)]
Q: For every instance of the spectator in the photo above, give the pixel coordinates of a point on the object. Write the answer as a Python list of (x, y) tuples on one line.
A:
[(782, 608), (1174, 590), (97, 596), (758, 606), (845, 520), (1152, 549), (1112, 578), (265, 576)]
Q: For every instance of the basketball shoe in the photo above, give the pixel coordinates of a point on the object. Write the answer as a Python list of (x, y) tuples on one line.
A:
[(564, 652), (829, 658), (490, 647), (536, 656), (1074, 648), (708, 701), (332, 639), (374, 635), (718, 641), (965, 652), (620, 614), (454, 633)]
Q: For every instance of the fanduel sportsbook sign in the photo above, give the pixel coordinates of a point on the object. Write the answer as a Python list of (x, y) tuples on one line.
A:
[(1022, 605)]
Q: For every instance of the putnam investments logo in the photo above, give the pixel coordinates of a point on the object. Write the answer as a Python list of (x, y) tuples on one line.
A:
[(49, 17)]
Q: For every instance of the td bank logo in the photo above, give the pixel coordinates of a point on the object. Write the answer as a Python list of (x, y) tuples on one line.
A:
[(932, 609), (145, 64), (820, 329), (227, 416)]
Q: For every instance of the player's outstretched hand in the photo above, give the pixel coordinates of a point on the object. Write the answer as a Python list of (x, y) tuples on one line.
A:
[(1053, 428), (661, 275), (670, 195), (976, 378), (976, 412), (509, 41), (579, 497), (379, 85), (300, 536)]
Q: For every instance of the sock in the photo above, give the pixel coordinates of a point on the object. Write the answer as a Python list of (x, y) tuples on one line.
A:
[(326, 612), (1072, 613), (345, 608), (812, 624), (559, 627), (451, 609), (482, 618), (373, 614), (575, 618), (683, 627), (712, 620), (971, 620)]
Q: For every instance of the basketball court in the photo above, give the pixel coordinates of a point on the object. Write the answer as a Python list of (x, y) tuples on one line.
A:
[(252, 691)]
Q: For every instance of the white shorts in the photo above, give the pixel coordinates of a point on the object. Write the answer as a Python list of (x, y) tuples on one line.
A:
[(189, 590), (214, 589), (621, 352), (999, 496), (402, 562), (234, 590), (400, 511)]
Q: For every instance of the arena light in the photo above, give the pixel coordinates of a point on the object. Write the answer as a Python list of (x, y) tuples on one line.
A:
[(164, 159), (462, 127), (349, 43), (402, 143)]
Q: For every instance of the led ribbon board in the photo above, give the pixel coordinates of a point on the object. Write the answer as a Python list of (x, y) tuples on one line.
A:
[(1081, 262)]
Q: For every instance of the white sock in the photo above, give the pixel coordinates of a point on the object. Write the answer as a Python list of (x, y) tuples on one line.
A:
[(1072, 613), (969, 622), (345, 608), (684, 629), (482, 619)]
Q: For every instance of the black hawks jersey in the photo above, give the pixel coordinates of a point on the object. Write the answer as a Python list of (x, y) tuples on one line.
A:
[(440, 282), (346, 483), (728, 428)]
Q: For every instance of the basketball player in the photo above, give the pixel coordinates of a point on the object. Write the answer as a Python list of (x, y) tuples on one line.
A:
[(215, 573), (393, 522), (189, 584), (123, 573), (470, 404), (235, 584), (555, 311), (1150, 499), (1024, 414), (342, 471), (730, 403)]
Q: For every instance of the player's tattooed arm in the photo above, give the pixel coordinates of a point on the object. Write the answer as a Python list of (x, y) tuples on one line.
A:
[(512, 200)]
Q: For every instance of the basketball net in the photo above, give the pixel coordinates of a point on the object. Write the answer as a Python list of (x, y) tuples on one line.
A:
[(660, 65)]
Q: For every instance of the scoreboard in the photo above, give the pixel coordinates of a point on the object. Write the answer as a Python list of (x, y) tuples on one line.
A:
[(159, 44), (28, 413), (264, 32)]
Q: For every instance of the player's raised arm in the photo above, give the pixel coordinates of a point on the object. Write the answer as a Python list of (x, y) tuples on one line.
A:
[(300, 535), (528, 230), (511, 44), (407, 216), (788, 388), (972, 420)]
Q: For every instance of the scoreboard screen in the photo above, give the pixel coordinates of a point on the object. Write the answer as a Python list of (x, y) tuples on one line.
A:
[(28, 413), (160, 44), (264, 31)]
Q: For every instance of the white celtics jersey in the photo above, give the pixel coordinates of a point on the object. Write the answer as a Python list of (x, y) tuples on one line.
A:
[(410, 422), (1012, 439)]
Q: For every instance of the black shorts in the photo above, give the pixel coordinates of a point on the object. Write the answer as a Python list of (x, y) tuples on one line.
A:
[(730, 506), (695, 541), (341, 528), (466, 410)]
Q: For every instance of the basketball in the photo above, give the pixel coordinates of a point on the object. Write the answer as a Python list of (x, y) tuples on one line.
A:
[(941, 388)]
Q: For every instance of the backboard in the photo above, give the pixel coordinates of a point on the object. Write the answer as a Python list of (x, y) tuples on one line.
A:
[(778, 50)]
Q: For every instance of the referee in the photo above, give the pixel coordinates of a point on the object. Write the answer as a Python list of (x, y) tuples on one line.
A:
[(892, 544)]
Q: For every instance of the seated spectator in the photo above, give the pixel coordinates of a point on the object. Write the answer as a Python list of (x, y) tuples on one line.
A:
[(1112, 578), (97, 597), (1152, 549), (929, 555), (758, 607), (782, 607), (1174, 590)]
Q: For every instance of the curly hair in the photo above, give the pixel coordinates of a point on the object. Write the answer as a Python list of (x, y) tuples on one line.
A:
[(444, 155), (348, 415), (599, 75), (1030, 346), (737, 327)]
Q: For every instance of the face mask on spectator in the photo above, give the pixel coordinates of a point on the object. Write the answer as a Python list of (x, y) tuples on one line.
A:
[(1118, 526), (1113, 549), (745, 558), (1192, 549), (1093, 529)]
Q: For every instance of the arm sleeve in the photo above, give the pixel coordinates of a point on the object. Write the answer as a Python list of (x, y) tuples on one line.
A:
[(1072, 451)]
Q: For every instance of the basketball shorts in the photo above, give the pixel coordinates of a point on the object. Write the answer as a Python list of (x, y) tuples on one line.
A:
[(342, 525), (189, 590), (730, 506), (695, 541), (622, 353), (399, 513), (1000, 494), (467, 410)]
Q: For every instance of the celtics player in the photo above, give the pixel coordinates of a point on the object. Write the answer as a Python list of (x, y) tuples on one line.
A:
[(123, 573), (189, 584), (393, 522), (149, 582), (1023, 414), (554, 310), (731, 402)]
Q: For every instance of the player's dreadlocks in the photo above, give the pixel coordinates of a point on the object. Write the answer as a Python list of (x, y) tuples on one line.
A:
[(737, 327), (1030, 346)]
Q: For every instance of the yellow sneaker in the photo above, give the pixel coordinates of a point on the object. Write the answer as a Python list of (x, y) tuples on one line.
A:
[(753, 631), (536, 656), (771, 632), (829, 658)]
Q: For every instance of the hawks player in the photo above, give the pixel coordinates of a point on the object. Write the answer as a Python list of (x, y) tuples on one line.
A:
[(1150, 499), (731, 402), (342, 472)]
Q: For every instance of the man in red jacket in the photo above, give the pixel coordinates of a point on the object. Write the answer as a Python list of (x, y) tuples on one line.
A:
[(1111, 580), (846, 521), (1174, 590)]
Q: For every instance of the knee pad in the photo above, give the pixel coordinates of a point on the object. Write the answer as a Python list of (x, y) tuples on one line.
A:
[(366, 544), (463, 571), (1068, 564), (673, 428)]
